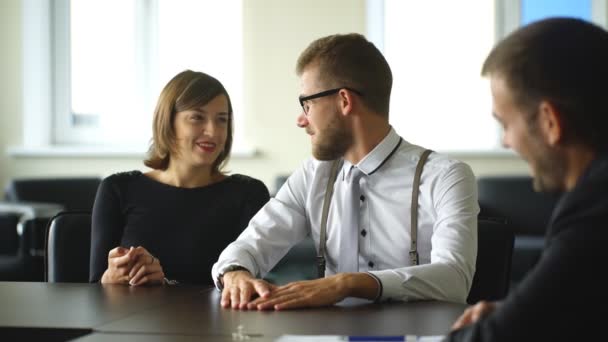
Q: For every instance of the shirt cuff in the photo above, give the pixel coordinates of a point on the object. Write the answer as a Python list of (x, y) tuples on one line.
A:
[(380, 289), (392, 285)]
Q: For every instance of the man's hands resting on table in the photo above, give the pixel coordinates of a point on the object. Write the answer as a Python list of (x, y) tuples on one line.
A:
[(243, 291)]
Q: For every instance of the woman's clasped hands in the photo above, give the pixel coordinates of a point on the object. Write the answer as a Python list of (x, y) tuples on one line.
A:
[(134, 266)]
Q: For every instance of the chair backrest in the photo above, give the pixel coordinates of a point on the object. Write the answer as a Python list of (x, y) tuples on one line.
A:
[(68, 247), (494, 252), (300, 263), (9, 240), (72, 193), (514, 198)]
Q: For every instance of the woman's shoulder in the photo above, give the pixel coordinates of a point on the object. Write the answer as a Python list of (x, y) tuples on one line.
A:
[(122, 178), (244, 181), (117, 184)]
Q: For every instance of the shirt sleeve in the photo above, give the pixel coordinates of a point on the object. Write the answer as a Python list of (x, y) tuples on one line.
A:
[(106, 227), (279, 225), (449, 274)]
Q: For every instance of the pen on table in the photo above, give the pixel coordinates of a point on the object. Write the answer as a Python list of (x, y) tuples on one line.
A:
[(376, 338)]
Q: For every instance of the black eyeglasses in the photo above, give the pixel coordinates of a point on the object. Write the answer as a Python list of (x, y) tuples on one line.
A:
[(303, 99)]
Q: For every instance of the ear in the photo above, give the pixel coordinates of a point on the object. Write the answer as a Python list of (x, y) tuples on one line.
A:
[(346, 101), (550, 123)]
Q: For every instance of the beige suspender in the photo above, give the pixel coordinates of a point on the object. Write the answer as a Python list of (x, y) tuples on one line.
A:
[(414, 208), (327, 200)]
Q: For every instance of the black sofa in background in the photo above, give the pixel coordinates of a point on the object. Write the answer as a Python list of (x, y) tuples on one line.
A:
[(76, 193), (22, 255)]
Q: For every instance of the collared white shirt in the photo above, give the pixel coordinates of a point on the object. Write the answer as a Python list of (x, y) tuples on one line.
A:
[(447, 222)]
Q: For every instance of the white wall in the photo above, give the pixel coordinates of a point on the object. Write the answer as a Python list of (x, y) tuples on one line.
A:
[(10, 83), (276, 31)]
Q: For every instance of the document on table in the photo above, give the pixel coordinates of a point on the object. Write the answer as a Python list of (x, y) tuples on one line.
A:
[(340, 338)]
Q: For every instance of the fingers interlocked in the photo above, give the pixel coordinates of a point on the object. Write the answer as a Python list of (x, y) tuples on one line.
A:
[(135, 266), (146, 268)]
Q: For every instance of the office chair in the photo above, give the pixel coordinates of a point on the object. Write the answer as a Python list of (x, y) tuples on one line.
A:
[(24, 266), (9, 239), (494, 252), (526, 212), (68, 247), (39, 194), (514, 198), (22, 234)]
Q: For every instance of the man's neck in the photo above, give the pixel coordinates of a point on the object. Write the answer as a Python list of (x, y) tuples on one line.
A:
[(368, 131), (578, 160)]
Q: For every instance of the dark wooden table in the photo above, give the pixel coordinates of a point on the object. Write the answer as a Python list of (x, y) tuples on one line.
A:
[(182, 313), (57, 311)]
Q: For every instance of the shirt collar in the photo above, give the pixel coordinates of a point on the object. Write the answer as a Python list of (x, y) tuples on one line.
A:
[(378, 156)]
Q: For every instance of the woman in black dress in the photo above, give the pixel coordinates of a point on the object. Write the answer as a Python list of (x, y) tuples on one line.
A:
[(173, 221)]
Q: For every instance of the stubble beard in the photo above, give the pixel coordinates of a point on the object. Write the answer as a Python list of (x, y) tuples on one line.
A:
[(549, 176), (333, 142), (549, 169)]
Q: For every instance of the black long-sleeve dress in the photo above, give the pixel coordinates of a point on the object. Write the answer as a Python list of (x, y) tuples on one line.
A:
[(186, 229)]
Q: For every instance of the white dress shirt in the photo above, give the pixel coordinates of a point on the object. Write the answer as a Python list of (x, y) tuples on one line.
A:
[(447, 223)]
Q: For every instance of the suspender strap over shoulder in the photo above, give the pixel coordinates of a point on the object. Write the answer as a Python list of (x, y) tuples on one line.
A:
[(327, 200), (414, 208)]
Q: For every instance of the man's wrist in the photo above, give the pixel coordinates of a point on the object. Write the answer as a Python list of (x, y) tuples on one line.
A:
[(230, 268), (363, 285)]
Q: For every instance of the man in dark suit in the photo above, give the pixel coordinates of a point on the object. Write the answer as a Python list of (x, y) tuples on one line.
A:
[(548, 83)]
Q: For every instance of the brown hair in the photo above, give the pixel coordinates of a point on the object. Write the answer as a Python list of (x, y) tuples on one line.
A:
[(187, 90), (562, 61), (349, 60)]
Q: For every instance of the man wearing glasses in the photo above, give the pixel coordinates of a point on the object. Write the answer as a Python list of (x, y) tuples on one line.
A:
[(354, 198)]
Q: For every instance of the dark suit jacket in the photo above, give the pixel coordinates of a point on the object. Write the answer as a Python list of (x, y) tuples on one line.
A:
[(564, 297)]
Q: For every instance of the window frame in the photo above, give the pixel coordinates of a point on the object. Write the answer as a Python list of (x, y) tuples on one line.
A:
[(507, 19), (47, 115)]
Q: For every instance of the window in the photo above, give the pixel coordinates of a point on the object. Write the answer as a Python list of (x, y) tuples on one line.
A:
[(436, 49), (532, 10), (108, 61)]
